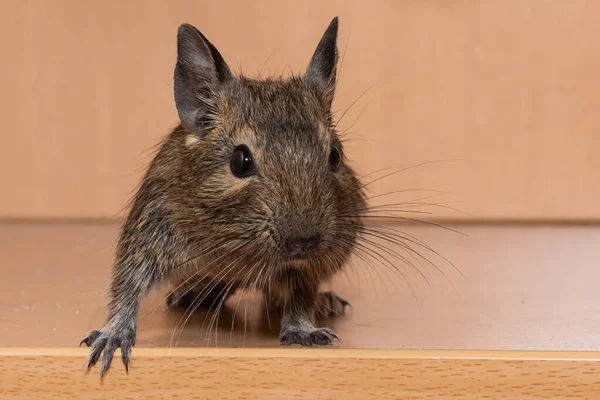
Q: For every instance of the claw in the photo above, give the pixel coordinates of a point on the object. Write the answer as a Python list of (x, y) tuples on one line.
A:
[(109, 352), (96, 351), (125, 355), (104, 343), (344, 303), (318, 336), (90, 339)]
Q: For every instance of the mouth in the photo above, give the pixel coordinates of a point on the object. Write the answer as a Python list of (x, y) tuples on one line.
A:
[(298, 260)]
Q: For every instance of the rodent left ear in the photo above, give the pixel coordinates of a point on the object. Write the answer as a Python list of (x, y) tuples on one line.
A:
[(199, 74), (321, 72)]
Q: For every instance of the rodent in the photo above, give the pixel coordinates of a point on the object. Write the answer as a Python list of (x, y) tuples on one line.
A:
[(252, 186)]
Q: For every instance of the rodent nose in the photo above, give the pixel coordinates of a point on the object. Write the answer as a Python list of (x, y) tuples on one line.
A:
[(297, 245)]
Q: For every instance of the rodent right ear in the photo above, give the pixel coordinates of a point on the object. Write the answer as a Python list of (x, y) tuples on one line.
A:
[(199, 73), (321, 72)]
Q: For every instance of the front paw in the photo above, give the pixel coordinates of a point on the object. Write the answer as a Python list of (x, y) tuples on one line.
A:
[(106, 342), (314, 336), (331, 305)]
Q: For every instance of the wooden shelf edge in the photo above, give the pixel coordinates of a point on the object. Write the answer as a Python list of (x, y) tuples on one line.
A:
[(195, 373)]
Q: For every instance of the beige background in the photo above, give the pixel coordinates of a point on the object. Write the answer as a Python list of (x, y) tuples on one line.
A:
[(510, 89)]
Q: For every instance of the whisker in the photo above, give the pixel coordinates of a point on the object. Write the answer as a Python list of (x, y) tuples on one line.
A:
[(406, 169), (345, 137), (350, 106), (439, 192), (405, 206), (412, 239), (217, 280), (241, 288), (245, 283), (266, 61), (422, 204), (387, 238), (181, 265), (432, 223), (339, 69), (397, 256), (400, 238), (223, 297), (384, 261), (204, 268), (215, 317), (355, 121), (373, 253), (377, 271), (365, 212), (201, 296)]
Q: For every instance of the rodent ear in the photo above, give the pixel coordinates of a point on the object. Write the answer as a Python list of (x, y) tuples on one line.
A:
[(321, 72), (199, 73)]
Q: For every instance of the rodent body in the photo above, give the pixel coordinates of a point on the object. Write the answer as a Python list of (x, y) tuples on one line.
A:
[(251, 190)]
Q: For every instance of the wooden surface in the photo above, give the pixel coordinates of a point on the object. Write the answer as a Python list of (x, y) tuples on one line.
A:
[(508, 88), (304, 374), (524, 288), (522, 323)]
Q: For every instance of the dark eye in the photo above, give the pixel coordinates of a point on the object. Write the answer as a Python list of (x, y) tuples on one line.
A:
[(242, 164), (334, 157)]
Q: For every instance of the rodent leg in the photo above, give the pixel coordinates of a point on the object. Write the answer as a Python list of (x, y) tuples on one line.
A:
[(299, 298), (330, 305), (120, 329), (200, 292)]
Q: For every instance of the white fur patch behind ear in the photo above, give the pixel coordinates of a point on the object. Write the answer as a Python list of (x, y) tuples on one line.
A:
[(191, 139)]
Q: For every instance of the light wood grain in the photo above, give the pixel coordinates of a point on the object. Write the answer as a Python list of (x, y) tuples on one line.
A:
[(303, 374), (509, 89)]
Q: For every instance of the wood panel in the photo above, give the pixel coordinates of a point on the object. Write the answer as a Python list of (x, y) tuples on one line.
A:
[(57, 373), (509, 89)]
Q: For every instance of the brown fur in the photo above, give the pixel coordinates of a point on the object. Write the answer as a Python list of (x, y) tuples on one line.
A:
[(193, 222)]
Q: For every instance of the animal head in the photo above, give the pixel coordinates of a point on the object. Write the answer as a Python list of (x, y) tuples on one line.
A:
[(260, 163)]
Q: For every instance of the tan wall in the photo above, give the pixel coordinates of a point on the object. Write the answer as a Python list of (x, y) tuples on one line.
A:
[(511, 89)]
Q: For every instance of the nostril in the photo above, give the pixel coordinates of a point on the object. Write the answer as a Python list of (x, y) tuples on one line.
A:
[(297, 245)]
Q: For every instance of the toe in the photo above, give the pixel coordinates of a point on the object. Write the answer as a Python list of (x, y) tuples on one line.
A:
[(97, 349), (323, 336), (306, 339), (126, 356), (91, 338), (109, 351), (344, 303), (286, 339)]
